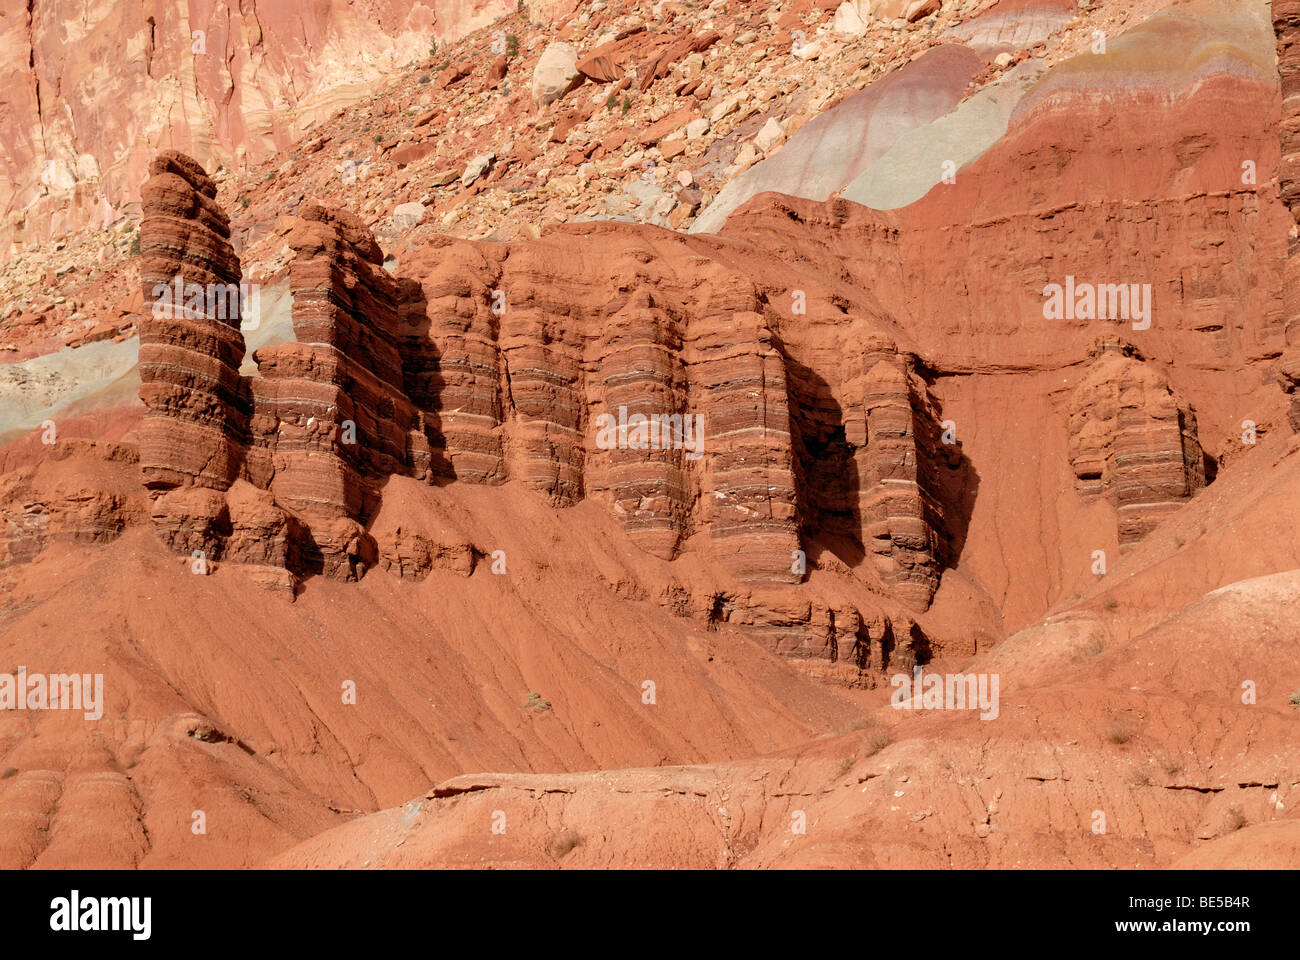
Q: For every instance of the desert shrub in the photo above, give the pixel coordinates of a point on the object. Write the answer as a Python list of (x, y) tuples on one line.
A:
[(536, 702), (875, 741), (1118, 733), (1089, 648), (864, 722), (565, 841)]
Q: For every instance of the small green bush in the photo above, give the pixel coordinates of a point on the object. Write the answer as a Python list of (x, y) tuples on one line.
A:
[(536, 702)]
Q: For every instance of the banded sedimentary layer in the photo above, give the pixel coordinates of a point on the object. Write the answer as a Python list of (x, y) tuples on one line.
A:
[(1133, 441), (332, 417), (711, 411), (197, 419), (578, 367)]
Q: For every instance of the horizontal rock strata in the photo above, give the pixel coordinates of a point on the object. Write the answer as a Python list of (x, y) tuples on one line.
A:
[(662, 391), (1133, 441), (197, 409)]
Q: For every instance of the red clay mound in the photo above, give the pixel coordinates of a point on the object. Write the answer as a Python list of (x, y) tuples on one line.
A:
[(1113, 745)]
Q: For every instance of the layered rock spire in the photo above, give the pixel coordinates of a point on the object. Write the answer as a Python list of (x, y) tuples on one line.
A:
[(577, 366), (190, 344), (1133, 441)]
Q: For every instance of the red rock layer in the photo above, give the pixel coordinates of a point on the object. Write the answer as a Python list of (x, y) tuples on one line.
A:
[(542, 355), (326, 418), (751, 507), (261, 535), (587, 365), (453, 368), (892, 502), (332, 416), (641, 374), (595, 365), (197, 418), (73, 493), (1133, 441)]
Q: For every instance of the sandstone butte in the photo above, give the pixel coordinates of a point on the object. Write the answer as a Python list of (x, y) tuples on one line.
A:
[(360, 574)]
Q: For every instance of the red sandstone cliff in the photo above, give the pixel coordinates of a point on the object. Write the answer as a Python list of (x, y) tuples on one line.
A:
[(479, 372)]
